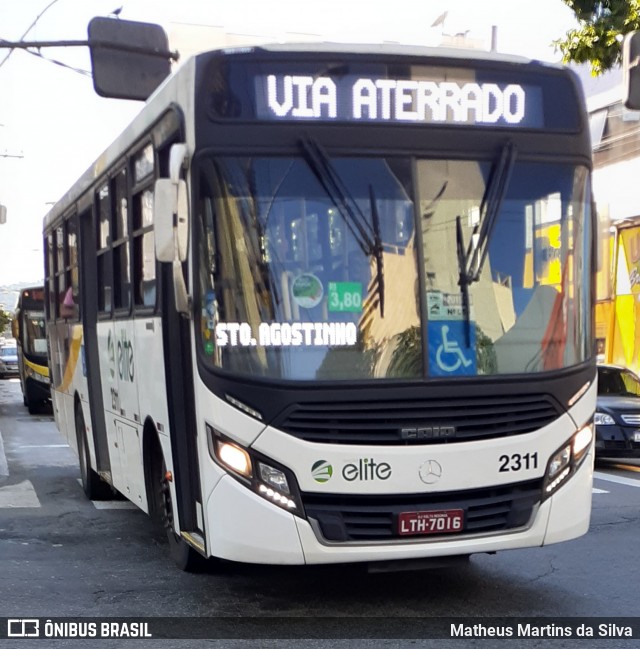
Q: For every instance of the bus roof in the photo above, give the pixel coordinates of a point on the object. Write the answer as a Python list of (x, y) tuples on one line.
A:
[(168, 91), (390, 49)]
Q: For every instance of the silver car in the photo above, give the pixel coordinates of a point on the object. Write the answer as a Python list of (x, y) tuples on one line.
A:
[(8, 361)]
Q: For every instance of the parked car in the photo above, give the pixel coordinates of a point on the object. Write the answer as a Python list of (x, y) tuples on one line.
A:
[(617, 416), (8, 361)]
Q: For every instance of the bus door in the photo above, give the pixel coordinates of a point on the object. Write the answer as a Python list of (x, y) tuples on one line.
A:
[(91, 356), (125, 413), (123, 355), (176, 332)]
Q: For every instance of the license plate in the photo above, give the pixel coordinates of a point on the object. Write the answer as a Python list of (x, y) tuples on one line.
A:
[(441, 521), (636, 436)]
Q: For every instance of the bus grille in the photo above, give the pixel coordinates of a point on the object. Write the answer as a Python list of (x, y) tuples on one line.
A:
[(418, 421), (343, 518)]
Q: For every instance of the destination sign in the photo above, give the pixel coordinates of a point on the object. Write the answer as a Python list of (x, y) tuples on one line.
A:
[(277, 87), (399, 100)]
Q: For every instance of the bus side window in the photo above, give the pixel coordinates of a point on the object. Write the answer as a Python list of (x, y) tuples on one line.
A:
[(68, 305), (104, 250), (144, 259)]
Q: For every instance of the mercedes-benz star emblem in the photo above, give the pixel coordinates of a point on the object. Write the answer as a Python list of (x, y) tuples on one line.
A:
[(430, 472)]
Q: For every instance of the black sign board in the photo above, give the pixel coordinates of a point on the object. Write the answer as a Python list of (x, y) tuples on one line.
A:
[(129, 59)]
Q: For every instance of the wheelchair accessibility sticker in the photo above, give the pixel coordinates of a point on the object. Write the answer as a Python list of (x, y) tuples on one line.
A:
[(448, 353)]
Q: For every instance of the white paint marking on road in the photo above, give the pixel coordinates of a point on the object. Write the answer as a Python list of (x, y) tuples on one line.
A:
[(113, 504), (18, 495), (629, 482), (44, 446), (4, 467), (599, 491)]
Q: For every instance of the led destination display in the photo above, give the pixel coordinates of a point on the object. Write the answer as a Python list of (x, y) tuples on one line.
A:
[(401, 100), (386, 90), (405, 89), (365, 92)]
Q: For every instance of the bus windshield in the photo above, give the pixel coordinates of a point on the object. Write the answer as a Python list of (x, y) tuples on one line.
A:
[(35, 338), (345, 268)]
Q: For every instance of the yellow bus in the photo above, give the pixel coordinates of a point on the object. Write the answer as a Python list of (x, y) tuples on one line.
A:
[(29, 329), (618, 304)]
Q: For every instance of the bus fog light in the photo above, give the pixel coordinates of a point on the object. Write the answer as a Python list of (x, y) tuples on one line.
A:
[(567, 460), (554, 484), (273, 478), (558, 470), (276, 497), (558, 462)]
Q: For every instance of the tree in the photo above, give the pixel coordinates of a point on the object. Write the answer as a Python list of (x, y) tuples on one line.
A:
[(598, 38), (5, 320)]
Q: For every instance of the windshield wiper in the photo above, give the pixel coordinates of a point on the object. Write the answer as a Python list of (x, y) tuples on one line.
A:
[(471, 261), (490, 206), (463, 280), (366, 236), (377, 249)]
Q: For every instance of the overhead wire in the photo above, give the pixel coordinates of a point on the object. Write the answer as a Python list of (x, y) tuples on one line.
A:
[(31, 26)]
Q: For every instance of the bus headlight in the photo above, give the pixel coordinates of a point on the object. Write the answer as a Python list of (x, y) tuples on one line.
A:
[(273, 477), (565, 462), (273, 483), (233, 457), (36, 376)]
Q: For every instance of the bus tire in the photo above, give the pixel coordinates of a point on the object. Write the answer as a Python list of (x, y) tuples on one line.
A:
[(184, 556), (32, 407), (93, 487)]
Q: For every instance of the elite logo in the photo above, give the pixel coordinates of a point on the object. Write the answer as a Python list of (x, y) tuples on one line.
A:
[(364, 469), (321, 471)]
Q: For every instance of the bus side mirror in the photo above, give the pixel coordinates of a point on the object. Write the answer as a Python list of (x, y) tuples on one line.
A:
[(163, 213), (129, 59), (171, 223), (171, 210), (170, 219), (182, 221), (631, 70), (177, 158)]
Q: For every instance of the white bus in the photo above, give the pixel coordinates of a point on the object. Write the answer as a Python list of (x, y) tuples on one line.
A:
[(329, 304)]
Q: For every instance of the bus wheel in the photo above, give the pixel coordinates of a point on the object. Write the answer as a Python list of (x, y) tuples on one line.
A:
[(184, 556), (93, 487)]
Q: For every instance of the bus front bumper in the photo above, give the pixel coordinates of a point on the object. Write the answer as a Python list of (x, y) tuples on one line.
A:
[(246, 528)]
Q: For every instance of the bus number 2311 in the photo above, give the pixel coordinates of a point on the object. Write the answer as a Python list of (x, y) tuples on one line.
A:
[(518, 462)]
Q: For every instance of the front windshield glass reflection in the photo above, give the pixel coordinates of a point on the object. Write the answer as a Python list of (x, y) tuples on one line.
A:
[(306, 279)]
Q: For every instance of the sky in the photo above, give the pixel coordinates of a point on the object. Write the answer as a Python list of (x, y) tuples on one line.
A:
[(53, 125)]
